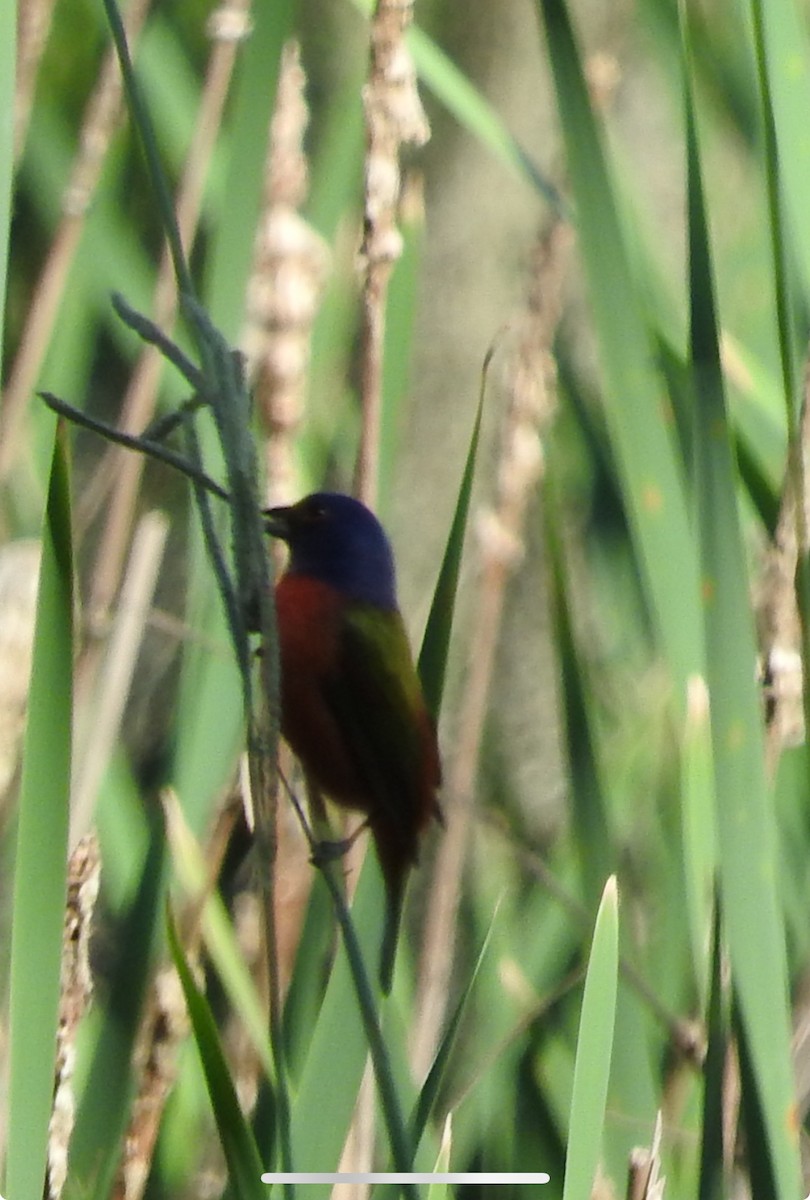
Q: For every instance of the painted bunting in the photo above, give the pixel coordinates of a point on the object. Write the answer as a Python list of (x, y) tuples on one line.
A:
[(352, 707)]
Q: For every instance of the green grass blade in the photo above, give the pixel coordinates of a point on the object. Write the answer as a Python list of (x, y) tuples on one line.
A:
[(787, 66), (306, 989), (430, 1090), (40, 868), (698, 823), (646, 454), (432, 664), (776, 224), (714, 1070), (440, 1191), (472, 110), (590, 813), (594, 1051), (338, 1046), (238, 1145), (218, 932), (747, 836)]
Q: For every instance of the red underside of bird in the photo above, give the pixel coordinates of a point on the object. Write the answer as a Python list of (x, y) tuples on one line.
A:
[(352, 707)]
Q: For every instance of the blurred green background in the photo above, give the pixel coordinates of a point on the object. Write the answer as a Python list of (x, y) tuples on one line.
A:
[(642, 284)]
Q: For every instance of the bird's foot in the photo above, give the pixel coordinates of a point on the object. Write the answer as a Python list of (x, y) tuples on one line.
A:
[(327, 851)]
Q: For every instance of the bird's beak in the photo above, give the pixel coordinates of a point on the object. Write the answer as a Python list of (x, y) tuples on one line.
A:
[(277, 523)]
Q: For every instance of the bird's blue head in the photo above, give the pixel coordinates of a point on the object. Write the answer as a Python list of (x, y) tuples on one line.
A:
[(337, 540)]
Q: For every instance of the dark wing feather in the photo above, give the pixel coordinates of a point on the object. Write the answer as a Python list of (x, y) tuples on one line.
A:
[(377, 702)]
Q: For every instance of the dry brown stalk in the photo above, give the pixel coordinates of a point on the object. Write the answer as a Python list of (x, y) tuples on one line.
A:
[(358, 1151), (645, 1181), (19, 579), (104, 112), (781, 636), (501, 549), (290, 267), (777, 609), (76, 989), (162, 1031), (394, 118), (732, 1102), (33, 26)]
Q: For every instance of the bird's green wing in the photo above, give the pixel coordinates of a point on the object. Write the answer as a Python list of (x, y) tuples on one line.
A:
[(377, 701)]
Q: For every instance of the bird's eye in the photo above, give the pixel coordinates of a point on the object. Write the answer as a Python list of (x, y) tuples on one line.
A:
[(314, 510)]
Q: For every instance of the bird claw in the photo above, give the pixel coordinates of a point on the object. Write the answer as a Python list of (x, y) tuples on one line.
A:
[(329, 851)]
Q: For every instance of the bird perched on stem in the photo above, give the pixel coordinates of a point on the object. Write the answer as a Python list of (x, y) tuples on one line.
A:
[(352, 707)]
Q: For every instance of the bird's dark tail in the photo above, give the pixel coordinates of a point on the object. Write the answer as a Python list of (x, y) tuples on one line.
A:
[(396, 850), (395, 895)]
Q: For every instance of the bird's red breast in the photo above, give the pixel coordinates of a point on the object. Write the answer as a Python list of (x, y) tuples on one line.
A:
[(352, 710), (309, 617)]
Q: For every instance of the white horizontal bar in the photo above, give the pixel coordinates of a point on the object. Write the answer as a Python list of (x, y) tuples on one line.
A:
[(519, 1177)]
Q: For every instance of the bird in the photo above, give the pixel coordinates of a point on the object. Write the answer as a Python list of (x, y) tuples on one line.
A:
[(352, 706)]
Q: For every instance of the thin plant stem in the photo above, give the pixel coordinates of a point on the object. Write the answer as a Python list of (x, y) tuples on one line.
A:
[(396, 1125), (156, 173)]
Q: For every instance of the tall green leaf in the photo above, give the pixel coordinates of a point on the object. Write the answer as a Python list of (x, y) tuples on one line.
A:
[(241, 1154), (40, 868), (436, 641), (747, 835), (787, 63), (594, 1051), (636, 411), (711, 1150)]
